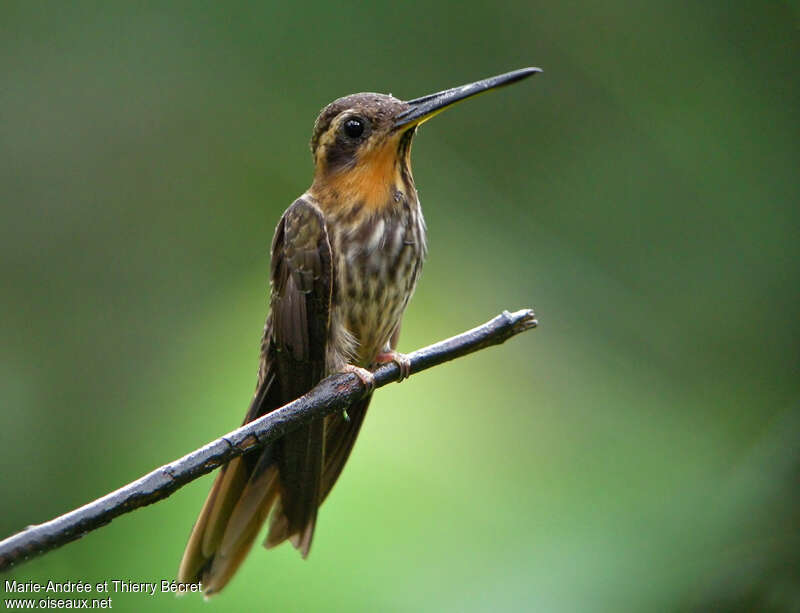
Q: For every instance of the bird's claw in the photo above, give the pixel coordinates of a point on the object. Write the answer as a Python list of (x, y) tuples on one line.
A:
[(401, 359), (363, 374)]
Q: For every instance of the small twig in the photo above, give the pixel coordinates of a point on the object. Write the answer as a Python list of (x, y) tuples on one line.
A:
[(332, 394)]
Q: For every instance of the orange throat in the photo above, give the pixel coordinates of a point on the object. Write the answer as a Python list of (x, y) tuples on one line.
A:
[(371, 184)]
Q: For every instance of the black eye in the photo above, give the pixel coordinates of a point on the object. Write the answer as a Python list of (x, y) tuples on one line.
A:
[(354, 127)]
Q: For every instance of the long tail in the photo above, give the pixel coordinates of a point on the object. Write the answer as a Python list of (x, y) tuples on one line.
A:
[(291, 478), (234, 511), (228, 524)]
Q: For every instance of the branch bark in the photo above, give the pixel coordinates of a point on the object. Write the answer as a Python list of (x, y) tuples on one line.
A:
[(332, 394)]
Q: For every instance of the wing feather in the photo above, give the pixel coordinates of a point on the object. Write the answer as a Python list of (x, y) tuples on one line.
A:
[(301, 301), (288, 474)]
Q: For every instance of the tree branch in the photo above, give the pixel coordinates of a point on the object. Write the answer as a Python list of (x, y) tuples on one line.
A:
[(332, 394)]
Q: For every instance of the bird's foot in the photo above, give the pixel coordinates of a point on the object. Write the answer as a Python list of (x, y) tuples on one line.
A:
[(362, 373), (401, 359)]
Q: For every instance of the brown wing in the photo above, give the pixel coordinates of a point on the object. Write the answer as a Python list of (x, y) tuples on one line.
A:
[(288, 473), (301, 300), (341, 434)]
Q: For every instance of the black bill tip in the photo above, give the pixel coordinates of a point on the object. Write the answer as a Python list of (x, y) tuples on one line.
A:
[(421, 109)]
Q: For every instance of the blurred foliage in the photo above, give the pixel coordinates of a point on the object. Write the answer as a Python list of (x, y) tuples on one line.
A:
[(639, 452)]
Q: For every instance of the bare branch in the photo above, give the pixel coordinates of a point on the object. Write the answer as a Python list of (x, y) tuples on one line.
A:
[(332, 394)]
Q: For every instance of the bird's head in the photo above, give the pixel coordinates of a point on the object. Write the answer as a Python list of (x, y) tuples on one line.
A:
[(362, 143)]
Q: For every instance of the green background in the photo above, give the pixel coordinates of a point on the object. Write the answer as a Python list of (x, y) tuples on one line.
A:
[(640, 451)]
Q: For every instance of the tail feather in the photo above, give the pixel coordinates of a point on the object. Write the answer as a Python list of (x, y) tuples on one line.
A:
[(340, 436), (279, 532), (228, 524), (200, 548), (250, 512), (235, 509), (288, 479), (300, 463), (231, 483), (242, 528), (278, 527), (302, 540)]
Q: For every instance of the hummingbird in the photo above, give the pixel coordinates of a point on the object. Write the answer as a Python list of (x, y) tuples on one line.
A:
[(345, 260)]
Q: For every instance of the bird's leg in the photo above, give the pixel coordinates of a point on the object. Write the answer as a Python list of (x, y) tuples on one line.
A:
[(401, 359), (362, 373)]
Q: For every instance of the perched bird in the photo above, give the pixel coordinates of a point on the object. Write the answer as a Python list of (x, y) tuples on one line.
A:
[(346, 257)]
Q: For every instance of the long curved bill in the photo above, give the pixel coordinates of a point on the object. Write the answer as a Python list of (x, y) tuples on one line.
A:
[(422, 109)]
